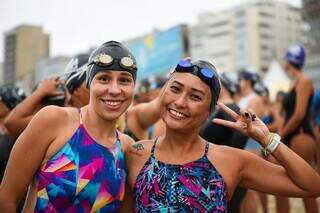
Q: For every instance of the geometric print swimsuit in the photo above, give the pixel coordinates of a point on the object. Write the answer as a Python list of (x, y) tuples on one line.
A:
[(83, 176), (192, 187)]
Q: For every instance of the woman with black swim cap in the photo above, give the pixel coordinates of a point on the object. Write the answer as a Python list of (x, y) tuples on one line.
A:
[(73, 159)]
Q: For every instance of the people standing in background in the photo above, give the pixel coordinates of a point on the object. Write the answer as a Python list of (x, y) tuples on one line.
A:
[(222, 135), (76, 81), (297, 131)]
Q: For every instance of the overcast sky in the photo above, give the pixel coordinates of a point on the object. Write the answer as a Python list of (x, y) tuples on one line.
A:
[(76, 25)]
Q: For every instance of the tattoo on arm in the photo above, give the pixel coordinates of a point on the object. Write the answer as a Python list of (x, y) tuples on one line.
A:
[(138, 146)]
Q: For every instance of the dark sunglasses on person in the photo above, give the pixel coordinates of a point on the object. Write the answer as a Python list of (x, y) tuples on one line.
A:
[(105, 60)]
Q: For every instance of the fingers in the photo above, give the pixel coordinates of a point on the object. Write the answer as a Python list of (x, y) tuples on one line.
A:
[(253, 115), (229, 111), (247, 117), (225, 123)]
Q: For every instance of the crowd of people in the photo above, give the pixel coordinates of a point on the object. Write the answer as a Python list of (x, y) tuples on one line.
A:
[(196, 141)]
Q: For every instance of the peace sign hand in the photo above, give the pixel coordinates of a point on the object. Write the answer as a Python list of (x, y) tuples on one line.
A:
[(247, 123)]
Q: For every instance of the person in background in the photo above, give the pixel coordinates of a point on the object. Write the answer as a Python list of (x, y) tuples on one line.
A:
[(75, 82), (222, 135), (316, 121), (251, 100), (48, 92), (140, 124), (297, 131), (10, 97)]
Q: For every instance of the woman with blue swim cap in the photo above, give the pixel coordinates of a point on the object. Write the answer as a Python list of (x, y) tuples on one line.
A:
[(297, 131), (181, 172)]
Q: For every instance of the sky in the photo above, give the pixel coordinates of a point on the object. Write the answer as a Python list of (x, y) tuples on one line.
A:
[(77, 25)]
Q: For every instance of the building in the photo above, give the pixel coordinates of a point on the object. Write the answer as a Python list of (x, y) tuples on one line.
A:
[(24, 46), (1, 74), (250, 35), (159, 51), (48, 67), (311, 14)]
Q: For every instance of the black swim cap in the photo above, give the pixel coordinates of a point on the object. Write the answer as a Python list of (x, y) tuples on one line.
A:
[(111, 55), (77, 69), (228, 84), (207, 72), (11, 95)]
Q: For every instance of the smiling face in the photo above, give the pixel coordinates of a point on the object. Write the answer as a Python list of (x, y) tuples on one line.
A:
[(185, 103), (111, 93)]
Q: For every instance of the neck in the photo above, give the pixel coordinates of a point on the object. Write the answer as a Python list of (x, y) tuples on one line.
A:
[(106, 130), (246, 91), (296, 74), (75, 102), (181, 143)]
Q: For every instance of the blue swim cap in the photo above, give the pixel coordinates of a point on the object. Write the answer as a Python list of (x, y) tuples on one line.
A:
[(295, 55)]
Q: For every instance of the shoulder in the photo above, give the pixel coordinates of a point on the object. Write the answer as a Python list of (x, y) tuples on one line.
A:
[(139, 152), (227, 155), (53, 117), (304, 82), (50, 114), (141, 148), (126, 140)]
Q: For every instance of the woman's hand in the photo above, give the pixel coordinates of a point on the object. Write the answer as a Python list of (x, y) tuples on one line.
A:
[(247, 123)]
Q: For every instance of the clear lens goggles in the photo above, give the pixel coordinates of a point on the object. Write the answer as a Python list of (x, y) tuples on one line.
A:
[(105, 60)]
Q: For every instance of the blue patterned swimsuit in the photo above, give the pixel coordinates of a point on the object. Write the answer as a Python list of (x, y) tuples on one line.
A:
[(192, 187)]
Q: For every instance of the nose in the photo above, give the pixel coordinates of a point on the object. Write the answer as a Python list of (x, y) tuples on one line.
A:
[(114, 88), (181, 101)]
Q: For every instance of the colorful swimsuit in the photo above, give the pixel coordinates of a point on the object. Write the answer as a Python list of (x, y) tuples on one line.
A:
[(192, 187), (83, 176)]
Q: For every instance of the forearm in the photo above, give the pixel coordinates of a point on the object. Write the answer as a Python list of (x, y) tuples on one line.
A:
[(273, 127), (16, 128), (292, 123), (297, 169), (6, 205), (28, 106), (23, 110), (148, 114)]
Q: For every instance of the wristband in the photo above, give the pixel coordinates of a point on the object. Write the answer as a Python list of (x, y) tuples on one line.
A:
[(272, 145)]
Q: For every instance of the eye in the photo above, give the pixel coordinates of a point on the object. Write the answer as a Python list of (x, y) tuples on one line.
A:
[(104, 78), (196, 97), (174, 89), (125, 80)]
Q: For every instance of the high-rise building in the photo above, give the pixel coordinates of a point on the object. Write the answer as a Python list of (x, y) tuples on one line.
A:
[(250, 35), (24, 46), (1, 73), (311, 14), (47, 67)]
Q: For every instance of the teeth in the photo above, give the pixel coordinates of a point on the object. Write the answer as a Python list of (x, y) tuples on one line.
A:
[(113, 103), (178, 114)]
